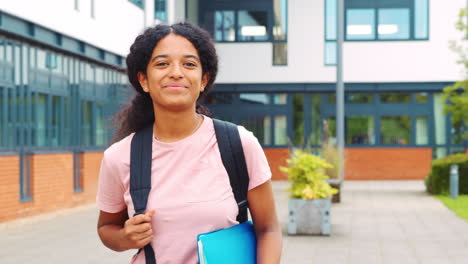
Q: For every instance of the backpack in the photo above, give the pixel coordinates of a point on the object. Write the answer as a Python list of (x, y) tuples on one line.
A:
[(232, 155)]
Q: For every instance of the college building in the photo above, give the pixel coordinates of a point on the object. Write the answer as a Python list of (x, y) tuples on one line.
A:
[(62, 76)]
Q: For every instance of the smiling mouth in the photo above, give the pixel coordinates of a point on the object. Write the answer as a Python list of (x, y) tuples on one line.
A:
[(175, 86)]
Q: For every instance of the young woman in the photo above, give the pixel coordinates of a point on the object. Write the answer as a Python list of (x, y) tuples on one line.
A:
[(170, 67)]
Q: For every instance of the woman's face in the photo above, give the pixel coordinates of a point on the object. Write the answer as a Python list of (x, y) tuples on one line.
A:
[(174, 74)]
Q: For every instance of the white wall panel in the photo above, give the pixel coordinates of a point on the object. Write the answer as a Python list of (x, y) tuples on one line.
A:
[(115, 26), (364, 61)]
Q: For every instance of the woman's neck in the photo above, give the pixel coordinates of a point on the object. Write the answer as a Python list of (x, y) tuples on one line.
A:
[(171, 127)]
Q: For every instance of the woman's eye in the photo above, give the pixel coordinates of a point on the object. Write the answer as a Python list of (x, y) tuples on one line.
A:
[(190, 64), (161, 64)]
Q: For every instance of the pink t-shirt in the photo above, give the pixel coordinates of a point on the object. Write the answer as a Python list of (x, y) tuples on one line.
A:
[(190, 193)]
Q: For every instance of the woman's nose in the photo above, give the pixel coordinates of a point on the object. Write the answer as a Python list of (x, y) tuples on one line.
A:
[(176, 72)]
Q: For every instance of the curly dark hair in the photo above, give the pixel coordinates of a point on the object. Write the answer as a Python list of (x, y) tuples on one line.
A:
[(138, 113)]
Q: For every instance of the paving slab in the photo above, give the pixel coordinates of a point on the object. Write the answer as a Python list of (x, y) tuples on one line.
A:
[(385, 222)]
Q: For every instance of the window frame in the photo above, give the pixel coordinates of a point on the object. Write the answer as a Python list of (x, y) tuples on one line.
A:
[(377, 6)]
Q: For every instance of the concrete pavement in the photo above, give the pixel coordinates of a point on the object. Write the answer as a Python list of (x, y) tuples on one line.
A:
[(377, 222)]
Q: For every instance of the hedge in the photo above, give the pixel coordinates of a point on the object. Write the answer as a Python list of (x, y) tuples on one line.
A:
[(438, 180)]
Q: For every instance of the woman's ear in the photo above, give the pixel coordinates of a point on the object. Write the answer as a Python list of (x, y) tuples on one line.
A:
[(205, 80), (143, 81)]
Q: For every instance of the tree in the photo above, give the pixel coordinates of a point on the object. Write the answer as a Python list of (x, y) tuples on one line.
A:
[(456, 96)]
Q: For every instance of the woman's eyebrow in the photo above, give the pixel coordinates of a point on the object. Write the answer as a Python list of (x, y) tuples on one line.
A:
[(167, 56), (192, 56)]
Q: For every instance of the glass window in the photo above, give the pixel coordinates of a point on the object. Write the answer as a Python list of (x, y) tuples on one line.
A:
[(24, 64), (315, 137), (32, 57), (280, 53), (67, 121), (281, 135), (359, 98), (41, 59), (252, 25), (280, 99), (298, 119), (86, 119), (260, 126), (331, 98), (11, 116), (330, 53), (56, 120), (280, 28), (2, 50), (138, 3), (439, 120), (421, 19), (160, 11), (254, 98), (438, 153), (99, 75), (9, 52), (329, 130), (394, 23), (395, 130), (395, 98), (17, 64), (421, 97), (89, 76), (225, 26), (360, 24), (330, 19), (40, 120), (3, 113), (382, 20), (360, 130), (220, 98), (100, 131), (422, 132)]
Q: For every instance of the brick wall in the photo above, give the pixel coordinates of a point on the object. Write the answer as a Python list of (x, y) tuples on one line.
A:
[(387, 163), (9, 186), (277, 157), (51, 184)]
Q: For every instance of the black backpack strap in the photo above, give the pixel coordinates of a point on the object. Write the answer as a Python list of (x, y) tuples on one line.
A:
[(232, 155), (140, 177)]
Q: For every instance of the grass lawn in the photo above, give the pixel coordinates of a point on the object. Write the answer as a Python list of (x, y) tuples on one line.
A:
[(459, 206)]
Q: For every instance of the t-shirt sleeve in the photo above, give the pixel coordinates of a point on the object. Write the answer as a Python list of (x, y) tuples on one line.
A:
[(257, 164), (110, 195)]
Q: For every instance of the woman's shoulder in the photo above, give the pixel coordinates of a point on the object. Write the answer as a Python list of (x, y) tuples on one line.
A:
[(119, 150), (247, 137)]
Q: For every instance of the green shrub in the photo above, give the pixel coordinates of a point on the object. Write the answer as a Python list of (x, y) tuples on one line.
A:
[(438, 180), (306, 172)]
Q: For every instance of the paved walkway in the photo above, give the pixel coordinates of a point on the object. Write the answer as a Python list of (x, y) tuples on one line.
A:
[(377, 222)]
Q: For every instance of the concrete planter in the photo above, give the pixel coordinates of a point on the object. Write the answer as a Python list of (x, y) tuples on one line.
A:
[(309, 217)]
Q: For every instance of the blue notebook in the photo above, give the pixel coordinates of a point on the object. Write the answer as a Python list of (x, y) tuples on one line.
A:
[(233, 245)]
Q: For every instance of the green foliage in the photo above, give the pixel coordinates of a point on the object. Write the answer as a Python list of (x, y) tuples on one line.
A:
[(306, 172), (456, 103), (456, 95), (438, 181), (458, 206)]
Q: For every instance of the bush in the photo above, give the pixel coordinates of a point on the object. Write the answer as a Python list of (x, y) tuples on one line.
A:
[(306, 172), (438, 181)]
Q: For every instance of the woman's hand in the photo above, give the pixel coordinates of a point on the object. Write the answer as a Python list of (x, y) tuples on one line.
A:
[(120, 233), (137, 231)]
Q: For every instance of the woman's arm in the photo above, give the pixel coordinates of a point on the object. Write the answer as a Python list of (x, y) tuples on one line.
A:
[(120, 233), (267, 228)]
